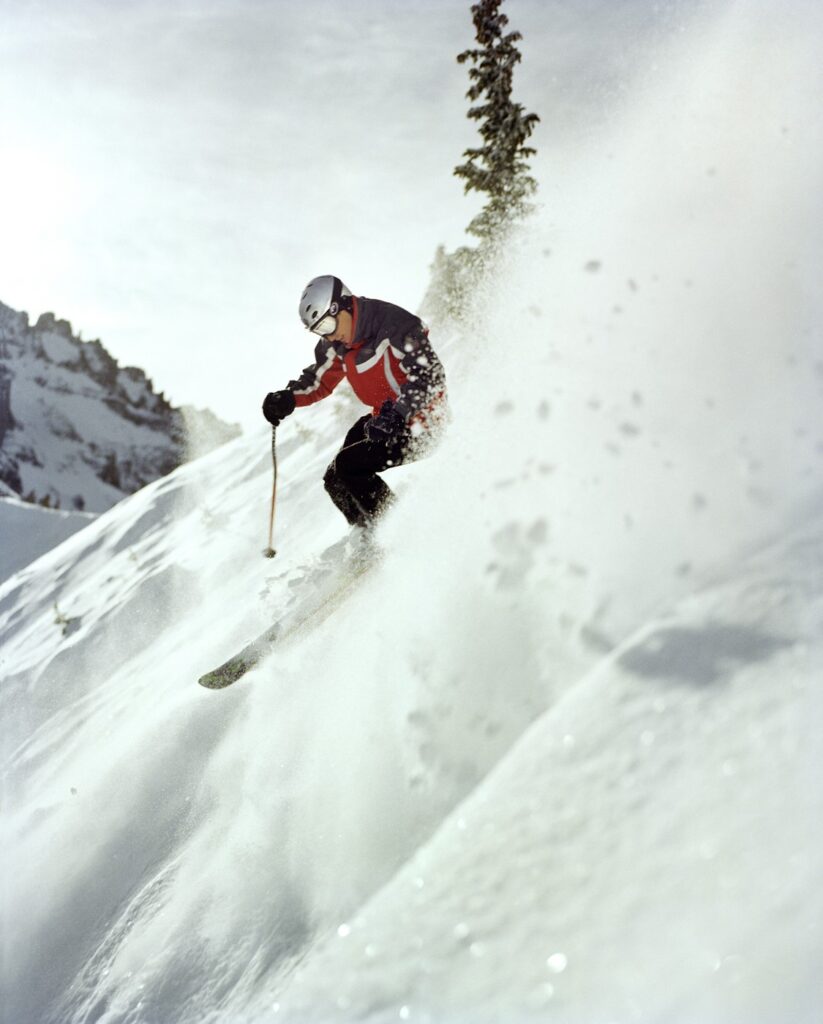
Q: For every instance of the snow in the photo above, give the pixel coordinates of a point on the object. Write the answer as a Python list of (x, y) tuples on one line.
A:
[(650, 849), (58, 348), (30, 530), (555, 756)]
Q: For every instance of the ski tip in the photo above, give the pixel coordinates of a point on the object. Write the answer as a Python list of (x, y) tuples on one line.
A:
[(215, 681)]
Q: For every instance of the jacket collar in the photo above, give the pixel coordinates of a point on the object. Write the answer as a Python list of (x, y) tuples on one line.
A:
[(355, 309)]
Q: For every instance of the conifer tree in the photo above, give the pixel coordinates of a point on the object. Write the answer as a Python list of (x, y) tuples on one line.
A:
[(499, 167)]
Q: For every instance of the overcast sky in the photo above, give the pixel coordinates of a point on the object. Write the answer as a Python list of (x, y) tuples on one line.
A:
[(172, 173)]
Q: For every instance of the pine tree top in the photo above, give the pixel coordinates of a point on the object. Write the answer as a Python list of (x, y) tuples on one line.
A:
[(499, 167)]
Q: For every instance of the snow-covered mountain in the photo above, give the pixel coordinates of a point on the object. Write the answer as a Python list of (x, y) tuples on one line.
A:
[(78, 431), (555, 756)]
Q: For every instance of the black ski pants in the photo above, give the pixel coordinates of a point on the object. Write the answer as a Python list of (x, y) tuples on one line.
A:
[(352, 480)]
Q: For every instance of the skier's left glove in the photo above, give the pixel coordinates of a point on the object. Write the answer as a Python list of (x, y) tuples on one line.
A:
[(387, 423)]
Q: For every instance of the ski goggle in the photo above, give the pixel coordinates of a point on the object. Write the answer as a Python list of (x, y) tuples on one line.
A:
[(325, 325)]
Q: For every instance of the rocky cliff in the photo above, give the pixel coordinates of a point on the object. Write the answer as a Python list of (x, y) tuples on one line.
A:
[(79, 431)]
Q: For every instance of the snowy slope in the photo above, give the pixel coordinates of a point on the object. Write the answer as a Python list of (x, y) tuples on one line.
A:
[(560, 734), (175, 851), (29, 530), (652, 848)]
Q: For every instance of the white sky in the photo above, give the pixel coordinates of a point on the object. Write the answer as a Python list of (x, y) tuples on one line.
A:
[(172, 173)]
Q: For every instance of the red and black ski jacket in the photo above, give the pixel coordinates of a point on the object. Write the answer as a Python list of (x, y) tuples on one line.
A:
[(390, 357)]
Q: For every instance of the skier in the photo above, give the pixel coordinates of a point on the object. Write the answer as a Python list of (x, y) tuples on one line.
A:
[(385, 353)]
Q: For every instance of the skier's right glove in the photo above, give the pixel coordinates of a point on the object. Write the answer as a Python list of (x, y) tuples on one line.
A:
[(388, 423), (277, 405)]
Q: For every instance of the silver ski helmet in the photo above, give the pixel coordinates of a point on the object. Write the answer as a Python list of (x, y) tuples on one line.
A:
[(321, 301)]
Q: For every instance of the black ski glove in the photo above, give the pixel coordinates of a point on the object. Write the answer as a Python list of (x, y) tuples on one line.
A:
[(387, 423), (278, 405)]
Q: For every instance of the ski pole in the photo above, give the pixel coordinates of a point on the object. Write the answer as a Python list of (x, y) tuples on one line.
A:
[(269, 552)]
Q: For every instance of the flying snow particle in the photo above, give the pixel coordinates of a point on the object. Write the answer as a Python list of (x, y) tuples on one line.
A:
[(557, 963)]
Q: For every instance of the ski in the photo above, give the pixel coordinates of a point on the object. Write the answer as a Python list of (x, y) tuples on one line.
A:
[(256, 650), (236, 667)]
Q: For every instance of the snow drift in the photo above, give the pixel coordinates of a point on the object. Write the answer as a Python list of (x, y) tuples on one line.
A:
[(552, 758)]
